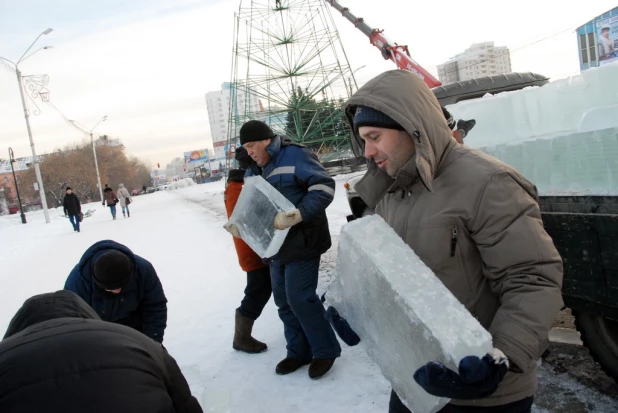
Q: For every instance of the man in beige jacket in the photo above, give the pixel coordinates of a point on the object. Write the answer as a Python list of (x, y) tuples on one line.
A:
[(476, 223)]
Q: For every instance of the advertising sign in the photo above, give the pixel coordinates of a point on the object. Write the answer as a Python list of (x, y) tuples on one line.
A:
[(607, 39), (196, 156)]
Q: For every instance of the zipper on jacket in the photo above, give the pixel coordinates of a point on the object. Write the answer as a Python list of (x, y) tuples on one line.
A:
[(453, 241)]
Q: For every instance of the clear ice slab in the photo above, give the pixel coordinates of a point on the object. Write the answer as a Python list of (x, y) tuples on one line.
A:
[(254, 216), (402, 312)]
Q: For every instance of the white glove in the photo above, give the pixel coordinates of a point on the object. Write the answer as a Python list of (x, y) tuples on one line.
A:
[(232, 229), (288, 219)]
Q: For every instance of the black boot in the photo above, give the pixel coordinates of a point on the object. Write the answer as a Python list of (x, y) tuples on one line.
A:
[(289, 365), (242, 336), (320, 367)]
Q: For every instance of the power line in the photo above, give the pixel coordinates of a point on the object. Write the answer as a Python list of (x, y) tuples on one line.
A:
[(510, 51)]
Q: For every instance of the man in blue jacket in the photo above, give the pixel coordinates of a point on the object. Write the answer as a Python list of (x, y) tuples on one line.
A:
[(121, 287), (297, 174)]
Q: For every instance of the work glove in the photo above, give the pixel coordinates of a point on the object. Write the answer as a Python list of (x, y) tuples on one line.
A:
[(244, 160), (477, 378), (288, 219), (232, 229), (465, 126), (236, 175), (341, 327)]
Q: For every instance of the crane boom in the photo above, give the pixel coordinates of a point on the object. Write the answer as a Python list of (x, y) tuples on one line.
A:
[(400, 55)]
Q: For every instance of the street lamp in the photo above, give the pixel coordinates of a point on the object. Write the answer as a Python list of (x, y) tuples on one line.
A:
[(21, 209), (96, 163), (37, 85)]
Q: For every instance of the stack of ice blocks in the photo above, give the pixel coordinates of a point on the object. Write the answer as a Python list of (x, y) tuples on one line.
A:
[(254, 216), (562, 136), (403, 313)]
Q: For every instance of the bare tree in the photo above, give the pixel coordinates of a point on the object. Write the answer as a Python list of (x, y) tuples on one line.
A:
[(74, 166)]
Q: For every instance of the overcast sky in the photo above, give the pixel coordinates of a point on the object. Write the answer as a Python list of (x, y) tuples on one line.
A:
[(147, 64)]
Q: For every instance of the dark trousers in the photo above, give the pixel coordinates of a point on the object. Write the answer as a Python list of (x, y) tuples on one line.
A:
[(307, 331), (522, 406), (74, 221), (257, 293)]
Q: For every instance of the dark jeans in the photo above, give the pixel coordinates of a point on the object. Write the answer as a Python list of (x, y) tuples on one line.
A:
[(74, 221), (522, 406), (257, 293), (112, 209), (307, 331)]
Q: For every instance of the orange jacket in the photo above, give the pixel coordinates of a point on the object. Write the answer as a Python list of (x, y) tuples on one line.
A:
[(247, 258)]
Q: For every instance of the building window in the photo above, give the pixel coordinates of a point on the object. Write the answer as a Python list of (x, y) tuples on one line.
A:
[(584, 48), (591, 47), (6, 180)]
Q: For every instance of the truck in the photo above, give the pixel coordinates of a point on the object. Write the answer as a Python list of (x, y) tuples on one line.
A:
[(584, 229)]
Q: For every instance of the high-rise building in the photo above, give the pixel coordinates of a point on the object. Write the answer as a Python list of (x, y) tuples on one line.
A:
[(480, 59), (218, 105)]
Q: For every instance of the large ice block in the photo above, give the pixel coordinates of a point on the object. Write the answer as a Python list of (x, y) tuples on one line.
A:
[(403, 313), (254, 216), (575, 163), (558, 107)]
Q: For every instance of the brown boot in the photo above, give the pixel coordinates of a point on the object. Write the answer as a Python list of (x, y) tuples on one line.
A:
[(242, 336), (320, 367), (289, 365)]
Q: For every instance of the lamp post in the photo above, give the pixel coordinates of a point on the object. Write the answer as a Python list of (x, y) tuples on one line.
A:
[(21, 209), (37, 85), (96, 163)]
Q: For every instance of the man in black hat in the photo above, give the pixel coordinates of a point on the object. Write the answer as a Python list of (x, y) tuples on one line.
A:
[(298, 175), (121, 287), (72, 208)]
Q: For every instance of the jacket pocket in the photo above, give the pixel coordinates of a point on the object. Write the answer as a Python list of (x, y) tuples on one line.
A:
[(444, 248)]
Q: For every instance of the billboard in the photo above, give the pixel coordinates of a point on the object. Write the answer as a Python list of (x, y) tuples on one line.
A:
[(196, 156), (607, 39)]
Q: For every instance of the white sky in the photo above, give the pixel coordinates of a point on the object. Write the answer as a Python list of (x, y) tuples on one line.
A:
[(148, 64)]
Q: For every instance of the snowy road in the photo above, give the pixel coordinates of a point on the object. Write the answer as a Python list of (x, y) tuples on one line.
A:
[(181, 233)]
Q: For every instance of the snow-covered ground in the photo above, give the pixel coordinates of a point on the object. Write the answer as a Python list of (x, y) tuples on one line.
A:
[(180, 232)]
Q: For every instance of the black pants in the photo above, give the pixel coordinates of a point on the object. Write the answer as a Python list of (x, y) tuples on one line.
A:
[(522, 406), (257, 293)]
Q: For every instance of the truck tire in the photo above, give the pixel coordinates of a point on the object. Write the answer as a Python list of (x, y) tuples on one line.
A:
[(600, 336)]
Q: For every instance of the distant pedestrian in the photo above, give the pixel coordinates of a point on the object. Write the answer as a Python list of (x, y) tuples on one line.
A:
[(125, 199), (111, 198), (72, 208)]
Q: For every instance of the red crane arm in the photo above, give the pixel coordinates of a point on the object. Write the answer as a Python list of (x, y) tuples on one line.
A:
[(400, 55)]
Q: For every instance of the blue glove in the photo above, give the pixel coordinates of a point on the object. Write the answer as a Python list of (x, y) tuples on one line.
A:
[(477, 378), (341, 327)]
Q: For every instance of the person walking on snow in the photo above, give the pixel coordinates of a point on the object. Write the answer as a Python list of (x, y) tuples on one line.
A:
[(72, 208), (258, 289), (121, 287), (298, 175), (125, 199), (110, 197), (475, 222), (57, 356)]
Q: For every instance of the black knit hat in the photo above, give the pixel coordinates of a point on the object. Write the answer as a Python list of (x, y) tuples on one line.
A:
[(243, 158), (366, 116), (112, 270), (255, 130), (450, 121), (68, 188)]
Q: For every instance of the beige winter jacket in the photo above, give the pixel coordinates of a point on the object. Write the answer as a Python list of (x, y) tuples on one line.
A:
[(123, 194), (475, 222)]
